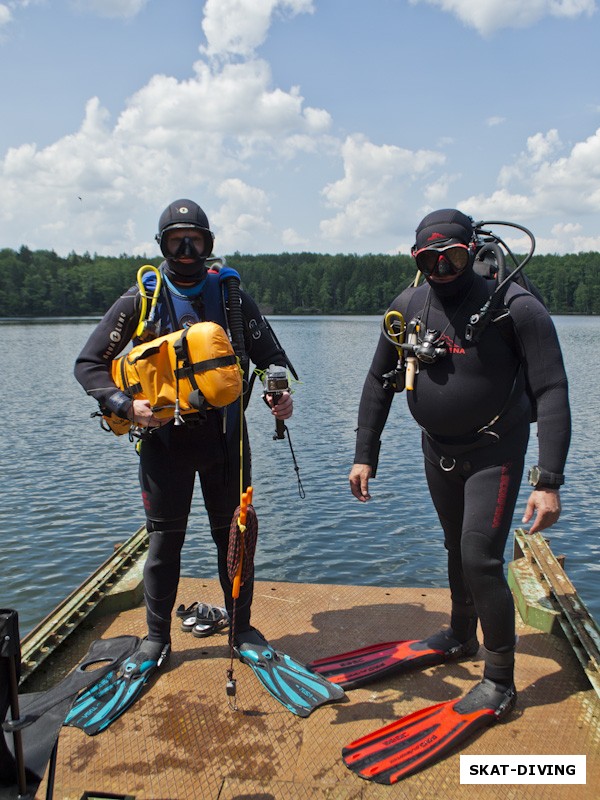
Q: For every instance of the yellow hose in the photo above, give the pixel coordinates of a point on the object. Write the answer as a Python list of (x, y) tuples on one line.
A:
[(146, 315)]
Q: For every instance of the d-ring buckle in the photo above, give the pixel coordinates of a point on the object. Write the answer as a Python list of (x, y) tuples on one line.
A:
[(447, 464)]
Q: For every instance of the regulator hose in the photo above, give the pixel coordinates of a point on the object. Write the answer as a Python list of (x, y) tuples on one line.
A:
[(479, 321), (236, 326)]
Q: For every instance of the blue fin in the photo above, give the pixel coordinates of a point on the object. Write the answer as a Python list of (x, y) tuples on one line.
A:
[(295, 686), (104, 702)]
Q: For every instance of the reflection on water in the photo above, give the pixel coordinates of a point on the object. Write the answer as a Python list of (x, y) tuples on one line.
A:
[(70, 489)]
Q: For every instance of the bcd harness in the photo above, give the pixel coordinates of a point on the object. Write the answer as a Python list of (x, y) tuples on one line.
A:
[(422, 349), (185, 372)]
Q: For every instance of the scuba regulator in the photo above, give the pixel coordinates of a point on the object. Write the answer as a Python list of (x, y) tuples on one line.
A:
[(430, 348), (426, 350), (415, 348)]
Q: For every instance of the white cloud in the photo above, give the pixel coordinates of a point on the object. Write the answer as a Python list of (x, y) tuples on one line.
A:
[(235, 100), (545, 185), (243, 218), (241, 146), (291, 240), (377, 186), (111, 8), (239, 27), (568, 238), (541, 146), (489, 16), (437, 191), (124, 9), (491, 122), (162, 141), (5, 15)]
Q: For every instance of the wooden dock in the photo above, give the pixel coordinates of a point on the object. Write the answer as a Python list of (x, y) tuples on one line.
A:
[(182, 741)]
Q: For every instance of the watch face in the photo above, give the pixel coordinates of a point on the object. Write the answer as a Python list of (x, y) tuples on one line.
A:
[(534, 476)]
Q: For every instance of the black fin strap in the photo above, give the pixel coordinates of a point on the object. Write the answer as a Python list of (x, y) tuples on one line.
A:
[(188, 370)]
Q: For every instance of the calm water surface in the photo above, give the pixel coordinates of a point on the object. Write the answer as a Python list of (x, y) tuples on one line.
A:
[(70, 489)]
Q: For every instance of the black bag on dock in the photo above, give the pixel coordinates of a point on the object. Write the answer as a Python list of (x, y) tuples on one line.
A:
[(29, 738), (12, 763)]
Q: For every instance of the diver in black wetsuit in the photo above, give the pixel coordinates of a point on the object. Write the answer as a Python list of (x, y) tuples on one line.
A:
[(170, 455), (472, 403)]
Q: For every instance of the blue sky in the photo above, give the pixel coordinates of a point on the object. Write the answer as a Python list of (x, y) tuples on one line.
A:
[(321, 125)]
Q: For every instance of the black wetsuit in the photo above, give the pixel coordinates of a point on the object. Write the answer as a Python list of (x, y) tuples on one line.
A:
[(172, 456), (474, 475)]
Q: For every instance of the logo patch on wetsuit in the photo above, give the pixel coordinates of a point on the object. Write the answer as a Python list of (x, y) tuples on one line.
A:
[(451, 345)]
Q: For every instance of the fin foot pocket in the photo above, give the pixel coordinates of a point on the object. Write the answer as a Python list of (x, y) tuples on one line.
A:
[(289, 681), (452, 649), (488, 695), (102, 703), (250, 636)]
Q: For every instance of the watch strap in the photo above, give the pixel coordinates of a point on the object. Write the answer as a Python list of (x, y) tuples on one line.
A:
[(546, 480)]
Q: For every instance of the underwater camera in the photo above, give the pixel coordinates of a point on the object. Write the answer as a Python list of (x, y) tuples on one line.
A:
[(276, 383)]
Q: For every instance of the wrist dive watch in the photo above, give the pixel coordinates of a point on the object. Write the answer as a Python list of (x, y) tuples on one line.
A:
[(542, 479)]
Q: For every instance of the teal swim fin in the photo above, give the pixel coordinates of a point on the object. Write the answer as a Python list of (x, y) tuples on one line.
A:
[(104, 702), (289, 681)]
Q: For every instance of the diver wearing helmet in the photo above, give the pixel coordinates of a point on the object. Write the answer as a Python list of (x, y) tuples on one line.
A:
[(185, 240), (172, 455), (471, 398)]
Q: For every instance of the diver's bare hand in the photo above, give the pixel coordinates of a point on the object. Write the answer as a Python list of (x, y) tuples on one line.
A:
[(284, 408), (141, 414), (545, 503), (359, 481)]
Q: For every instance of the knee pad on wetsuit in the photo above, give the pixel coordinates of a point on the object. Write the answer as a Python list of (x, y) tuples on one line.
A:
[(163, 526)]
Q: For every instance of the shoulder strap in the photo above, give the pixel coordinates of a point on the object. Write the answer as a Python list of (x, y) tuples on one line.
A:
[(506, 325)]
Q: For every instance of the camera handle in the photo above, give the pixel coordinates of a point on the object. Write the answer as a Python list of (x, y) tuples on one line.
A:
[(276, 383), (279, 423)]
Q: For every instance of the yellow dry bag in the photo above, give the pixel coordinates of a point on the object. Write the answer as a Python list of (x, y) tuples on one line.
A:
[(184, 372)]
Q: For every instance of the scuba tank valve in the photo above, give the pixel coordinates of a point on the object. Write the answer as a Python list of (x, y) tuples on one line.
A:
[(480, 320)]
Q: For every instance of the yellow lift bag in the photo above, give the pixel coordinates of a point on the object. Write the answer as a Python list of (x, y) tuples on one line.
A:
[(181, 373)]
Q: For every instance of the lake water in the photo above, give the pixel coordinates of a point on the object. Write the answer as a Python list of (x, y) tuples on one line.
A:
[(70, 492)]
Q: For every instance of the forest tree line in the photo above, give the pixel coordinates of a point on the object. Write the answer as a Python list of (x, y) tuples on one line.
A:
[(43, 284)]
